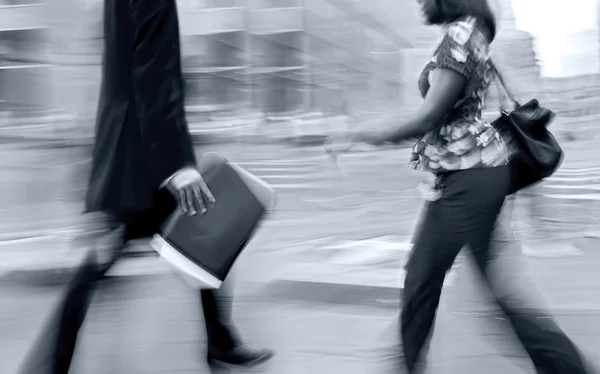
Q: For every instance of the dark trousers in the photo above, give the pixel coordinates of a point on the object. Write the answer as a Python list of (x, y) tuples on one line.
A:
[(220, 331), (216, 305), (465, 215)]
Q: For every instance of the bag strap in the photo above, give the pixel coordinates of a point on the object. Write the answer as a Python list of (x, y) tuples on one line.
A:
[(503, 89)]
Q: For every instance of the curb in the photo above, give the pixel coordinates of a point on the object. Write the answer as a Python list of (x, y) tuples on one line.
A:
[(35, 234), (332, 293), (374, 297), (56, 272), (198, 138), (297, 141), (381, 291), (27, 236), (50, 276)]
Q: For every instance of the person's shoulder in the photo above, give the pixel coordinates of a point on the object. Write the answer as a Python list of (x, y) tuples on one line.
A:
[(468, 31)]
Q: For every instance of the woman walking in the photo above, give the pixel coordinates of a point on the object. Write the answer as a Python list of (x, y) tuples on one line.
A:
[(471, 164)]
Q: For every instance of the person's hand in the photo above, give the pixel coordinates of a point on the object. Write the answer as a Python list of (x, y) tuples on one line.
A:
[(102, 235), (335, 145), (375, 138), (191, 191)]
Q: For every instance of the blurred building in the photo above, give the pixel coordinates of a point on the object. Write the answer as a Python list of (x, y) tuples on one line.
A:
[(277, 57), (23, 63), (289, 56), (303, 56)]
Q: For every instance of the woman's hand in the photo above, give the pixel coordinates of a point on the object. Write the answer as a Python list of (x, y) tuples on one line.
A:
[(370, 137), (102, 235), (335, 145)]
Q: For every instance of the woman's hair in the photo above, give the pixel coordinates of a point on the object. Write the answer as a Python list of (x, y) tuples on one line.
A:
[(451, 10)]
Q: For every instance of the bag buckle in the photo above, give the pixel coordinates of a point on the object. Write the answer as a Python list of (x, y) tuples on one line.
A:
[(506, 111)]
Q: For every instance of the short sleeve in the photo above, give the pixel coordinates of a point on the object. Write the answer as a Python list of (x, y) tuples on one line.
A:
[(462, 48)]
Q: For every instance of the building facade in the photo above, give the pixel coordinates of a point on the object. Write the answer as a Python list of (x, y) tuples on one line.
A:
[(23, 52), (274, 57), (288, 56), (49, 56), (278, 57)]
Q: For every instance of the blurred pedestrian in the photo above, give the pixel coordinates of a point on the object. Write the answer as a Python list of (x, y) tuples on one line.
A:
[(143, 164), (471, 163)]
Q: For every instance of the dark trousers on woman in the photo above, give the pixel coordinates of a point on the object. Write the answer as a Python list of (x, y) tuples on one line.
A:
[(465, 215)]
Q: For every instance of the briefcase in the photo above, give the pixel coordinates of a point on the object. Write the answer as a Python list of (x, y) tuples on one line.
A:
[(205, 246)]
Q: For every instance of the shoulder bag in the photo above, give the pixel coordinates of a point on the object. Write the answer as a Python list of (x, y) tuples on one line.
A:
[(540, 154)]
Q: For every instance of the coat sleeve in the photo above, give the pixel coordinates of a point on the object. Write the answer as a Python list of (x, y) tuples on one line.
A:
[(158, 88)]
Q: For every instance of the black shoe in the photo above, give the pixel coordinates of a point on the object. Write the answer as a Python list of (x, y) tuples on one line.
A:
[(239, 356)]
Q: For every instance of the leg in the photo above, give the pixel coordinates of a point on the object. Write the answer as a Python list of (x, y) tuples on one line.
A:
[(75, 306), (474, 308), (225, 347), (546, 344), (217, 305), (221, 334), (426, 269), (473, 296), (464, 214), (74, 309)]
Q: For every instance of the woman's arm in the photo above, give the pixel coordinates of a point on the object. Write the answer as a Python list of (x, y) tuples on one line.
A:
[(445, 90), (460, 52)]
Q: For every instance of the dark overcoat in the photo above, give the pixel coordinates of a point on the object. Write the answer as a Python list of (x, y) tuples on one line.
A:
[(141, 134)]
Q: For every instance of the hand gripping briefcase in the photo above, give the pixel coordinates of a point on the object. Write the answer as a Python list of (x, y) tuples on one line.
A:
[(204, 247)]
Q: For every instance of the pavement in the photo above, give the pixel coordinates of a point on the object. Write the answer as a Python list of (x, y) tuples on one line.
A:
[(320, 282), (144, 319), (51, 181), (32, 311), (24, 313), (43, 180), (151, 324)]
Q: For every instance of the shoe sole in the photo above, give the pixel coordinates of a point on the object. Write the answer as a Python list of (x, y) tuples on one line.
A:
[(251, 364)]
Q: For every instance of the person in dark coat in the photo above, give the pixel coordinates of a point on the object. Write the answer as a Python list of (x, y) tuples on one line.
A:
[(143, 163)]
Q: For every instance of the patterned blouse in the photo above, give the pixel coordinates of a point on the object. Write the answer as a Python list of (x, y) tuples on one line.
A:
[(464, 140)]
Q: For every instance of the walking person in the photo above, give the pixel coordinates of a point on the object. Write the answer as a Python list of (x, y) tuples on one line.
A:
[(471, 163), (143, 163)]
